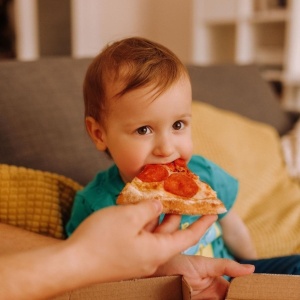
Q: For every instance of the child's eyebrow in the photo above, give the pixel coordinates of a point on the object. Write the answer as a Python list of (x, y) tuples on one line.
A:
[(136, 123), (188, 115)]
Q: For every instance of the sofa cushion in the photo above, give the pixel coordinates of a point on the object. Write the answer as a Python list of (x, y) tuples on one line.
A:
[(36, 201), (42, 118), (268, 200), (241, 89)]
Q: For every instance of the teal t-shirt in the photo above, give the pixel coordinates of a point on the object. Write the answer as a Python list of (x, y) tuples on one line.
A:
[(104, 189)]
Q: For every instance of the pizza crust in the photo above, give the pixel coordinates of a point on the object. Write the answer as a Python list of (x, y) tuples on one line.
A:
[(180, 206), (205, 202)]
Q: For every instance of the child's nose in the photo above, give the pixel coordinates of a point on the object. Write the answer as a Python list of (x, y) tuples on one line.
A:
[(163, 147)]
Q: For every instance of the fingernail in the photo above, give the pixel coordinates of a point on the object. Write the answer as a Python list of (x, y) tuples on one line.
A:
[(248, 266)]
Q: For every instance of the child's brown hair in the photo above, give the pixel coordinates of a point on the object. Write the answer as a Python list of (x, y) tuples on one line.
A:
[(135, 62)]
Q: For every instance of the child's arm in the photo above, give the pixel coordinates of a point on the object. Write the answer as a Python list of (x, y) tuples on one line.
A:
[(237, 237)]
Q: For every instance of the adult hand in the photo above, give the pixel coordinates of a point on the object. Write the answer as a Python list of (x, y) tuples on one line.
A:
[(113, 243), (118, 243)]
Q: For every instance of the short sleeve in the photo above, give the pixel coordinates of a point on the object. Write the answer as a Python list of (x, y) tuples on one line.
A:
[(222, 182)]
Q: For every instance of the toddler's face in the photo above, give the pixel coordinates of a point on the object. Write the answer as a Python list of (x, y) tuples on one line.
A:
[(142, 130)]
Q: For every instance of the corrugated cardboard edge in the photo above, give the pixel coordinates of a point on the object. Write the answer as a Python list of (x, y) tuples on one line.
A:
[(264, 287), (158, 288), (186, 290)]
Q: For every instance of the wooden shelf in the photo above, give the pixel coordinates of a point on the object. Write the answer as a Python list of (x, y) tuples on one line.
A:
[(272, 74), (269, 56), (262, 32), (269, 16)]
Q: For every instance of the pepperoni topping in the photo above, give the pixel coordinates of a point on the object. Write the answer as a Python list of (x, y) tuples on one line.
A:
[(178, 165), (171, 166), (153, 173), (181, 184), (180, 162)]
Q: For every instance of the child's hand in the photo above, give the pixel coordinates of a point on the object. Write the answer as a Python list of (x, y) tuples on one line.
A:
[(204, 274)]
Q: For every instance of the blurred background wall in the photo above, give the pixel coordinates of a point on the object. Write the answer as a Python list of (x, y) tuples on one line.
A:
[(82, 27), (203, 32)]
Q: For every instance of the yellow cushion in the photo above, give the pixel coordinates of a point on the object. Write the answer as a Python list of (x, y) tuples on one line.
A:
[(35, 200), (268, 200)]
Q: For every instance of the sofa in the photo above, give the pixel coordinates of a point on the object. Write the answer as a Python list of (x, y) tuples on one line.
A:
[(46, 154)]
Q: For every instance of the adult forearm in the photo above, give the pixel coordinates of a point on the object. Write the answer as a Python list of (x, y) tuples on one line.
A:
[(15, 239), (37, 274)]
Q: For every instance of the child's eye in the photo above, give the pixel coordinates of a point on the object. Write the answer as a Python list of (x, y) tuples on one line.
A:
[(178, 125), (143, 130)]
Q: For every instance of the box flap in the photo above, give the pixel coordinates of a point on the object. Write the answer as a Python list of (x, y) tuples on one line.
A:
[(186, 290), (158, 288), (264, 287)]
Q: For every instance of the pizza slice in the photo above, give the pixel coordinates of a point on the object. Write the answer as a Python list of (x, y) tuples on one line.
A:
[(179, 190)]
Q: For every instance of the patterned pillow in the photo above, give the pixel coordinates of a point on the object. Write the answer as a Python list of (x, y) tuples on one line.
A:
[(35, 200), (268, 199)]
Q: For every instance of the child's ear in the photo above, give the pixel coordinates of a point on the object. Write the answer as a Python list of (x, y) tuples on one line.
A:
[(96, 132)]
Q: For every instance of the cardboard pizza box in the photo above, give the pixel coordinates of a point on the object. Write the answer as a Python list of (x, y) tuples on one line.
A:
[(155, 288), (265, 287), (250, 287)]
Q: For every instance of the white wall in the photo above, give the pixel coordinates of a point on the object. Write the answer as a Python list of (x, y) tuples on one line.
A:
[(25, 25)]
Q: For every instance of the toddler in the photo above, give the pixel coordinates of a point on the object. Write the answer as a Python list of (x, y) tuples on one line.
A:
[(138, 99)]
